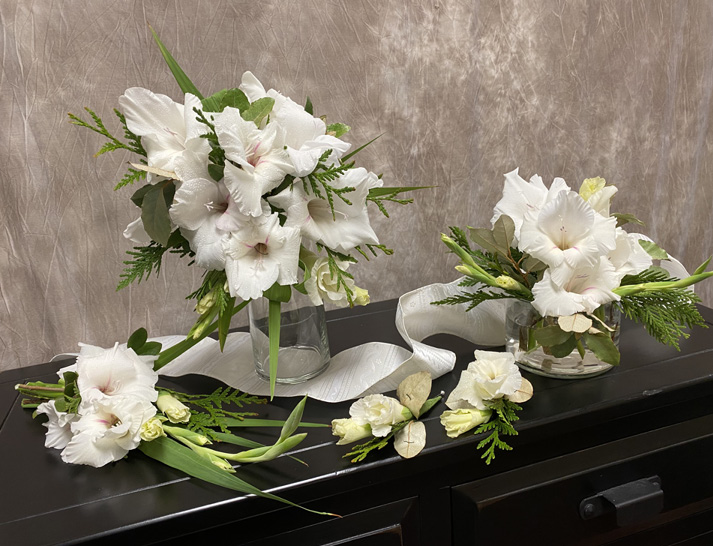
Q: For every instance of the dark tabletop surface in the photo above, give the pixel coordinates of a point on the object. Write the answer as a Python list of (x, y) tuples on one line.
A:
[(45, 501)]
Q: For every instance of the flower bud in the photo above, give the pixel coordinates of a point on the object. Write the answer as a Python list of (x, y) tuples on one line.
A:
[(348, 431), (362, 296), (152, 429), (205, 303), (507, 283), (174, 409), (459, 421)]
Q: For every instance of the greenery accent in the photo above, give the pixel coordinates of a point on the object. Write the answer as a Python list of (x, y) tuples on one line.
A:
[(473, 299), (360, 451), (336, 271), (210, 412), (322, 176), (505, 410)]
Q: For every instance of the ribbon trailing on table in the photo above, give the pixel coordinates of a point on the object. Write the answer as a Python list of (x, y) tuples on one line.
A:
[(369, 368)]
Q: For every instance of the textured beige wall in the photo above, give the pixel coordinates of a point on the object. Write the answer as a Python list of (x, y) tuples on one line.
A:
[(462, 92)]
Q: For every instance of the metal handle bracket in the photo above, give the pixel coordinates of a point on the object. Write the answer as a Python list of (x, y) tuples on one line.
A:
[(632, 502)]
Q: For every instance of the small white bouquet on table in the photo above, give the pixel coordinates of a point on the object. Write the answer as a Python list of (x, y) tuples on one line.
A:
[(568, 269), (264, 196)]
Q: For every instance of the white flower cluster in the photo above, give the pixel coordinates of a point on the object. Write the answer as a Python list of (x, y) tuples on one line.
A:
[(573, 234), (117, 391), (231, 224), (373, 415), (491, 376)]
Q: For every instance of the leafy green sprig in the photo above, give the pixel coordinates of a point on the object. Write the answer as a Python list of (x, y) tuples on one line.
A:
[(209, 411), (499, 426), (359, 452), (133, 143)]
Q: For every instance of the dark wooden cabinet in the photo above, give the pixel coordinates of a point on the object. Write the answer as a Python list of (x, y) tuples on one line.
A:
[(623, 458)]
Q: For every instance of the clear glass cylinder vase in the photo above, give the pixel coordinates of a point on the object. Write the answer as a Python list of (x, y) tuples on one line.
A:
[(304, 346), (521, 319)]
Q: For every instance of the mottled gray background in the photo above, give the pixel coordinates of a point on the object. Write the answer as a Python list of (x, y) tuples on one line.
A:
[(462, 91)]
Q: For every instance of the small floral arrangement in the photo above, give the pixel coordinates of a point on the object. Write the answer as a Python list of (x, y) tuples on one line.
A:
[(487, 396), (107, 404), (564, 252), (381, 418), (252, 187)]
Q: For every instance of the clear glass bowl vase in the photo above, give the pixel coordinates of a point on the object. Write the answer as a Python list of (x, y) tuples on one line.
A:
[(521, 319)]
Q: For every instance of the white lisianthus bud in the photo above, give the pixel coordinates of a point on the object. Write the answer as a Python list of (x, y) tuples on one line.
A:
[(348, 431), (380, 412), (459, 421), (152, 429), (362, 296), (174, 409)]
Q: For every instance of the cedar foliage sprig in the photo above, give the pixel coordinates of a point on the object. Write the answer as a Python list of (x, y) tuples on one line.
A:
[(390, 198), (664, 313), (209, 411), (501, 425), (146, 260), (360, 451), (133, 143), (322, 175)]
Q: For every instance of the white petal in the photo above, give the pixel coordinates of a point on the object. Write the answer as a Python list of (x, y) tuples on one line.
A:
[(252, 87)]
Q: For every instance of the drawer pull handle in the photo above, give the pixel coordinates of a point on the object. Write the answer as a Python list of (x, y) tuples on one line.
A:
[(632, 502)]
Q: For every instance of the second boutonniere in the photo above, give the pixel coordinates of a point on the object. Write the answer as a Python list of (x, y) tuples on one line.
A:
[(487, 396)]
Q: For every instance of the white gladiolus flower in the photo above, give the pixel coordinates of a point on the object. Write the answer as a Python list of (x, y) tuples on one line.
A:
[(520, 197), (114, 372), (259, 153), (582, 290), (107, 430), (167, 129), (629, 257), (305, 135), (380, 412), (349, 431), (347, 228), (492, 375), (58, 426), (259, 254), (136, 233), (567, 232)]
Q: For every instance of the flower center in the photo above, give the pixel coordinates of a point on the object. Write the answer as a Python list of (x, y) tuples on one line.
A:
[(261, 248)]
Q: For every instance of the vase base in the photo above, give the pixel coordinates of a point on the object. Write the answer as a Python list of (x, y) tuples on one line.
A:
[(296, 364), (569, 367)]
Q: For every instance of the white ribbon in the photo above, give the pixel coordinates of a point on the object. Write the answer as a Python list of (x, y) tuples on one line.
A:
[(365, 369)]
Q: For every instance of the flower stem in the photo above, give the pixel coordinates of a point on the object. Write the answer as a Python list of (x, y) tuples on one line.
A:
[(628, 290)]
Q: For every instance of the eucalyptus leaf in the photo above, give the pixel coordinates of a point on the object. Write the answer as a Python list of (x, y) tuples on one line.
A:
[(154, 211), (565, 348), (410, 440), (654, 250), (485, 238), (338, 129), (137, 339), (603, 346), (574, 323), (548, 336), (235, 98), (622, 219), (216, 172), (533, 265), (138, 197), (504, 232), (258, 110), (149, 348), (413, 391)]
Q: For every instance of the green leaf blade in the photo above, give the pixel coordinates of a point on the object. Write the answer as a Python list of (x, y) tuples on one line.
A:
[(182, 80)]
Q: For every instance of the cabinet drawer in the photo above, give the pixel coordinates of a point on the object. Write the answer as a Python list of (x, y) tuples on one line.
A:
[(541, 502)]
